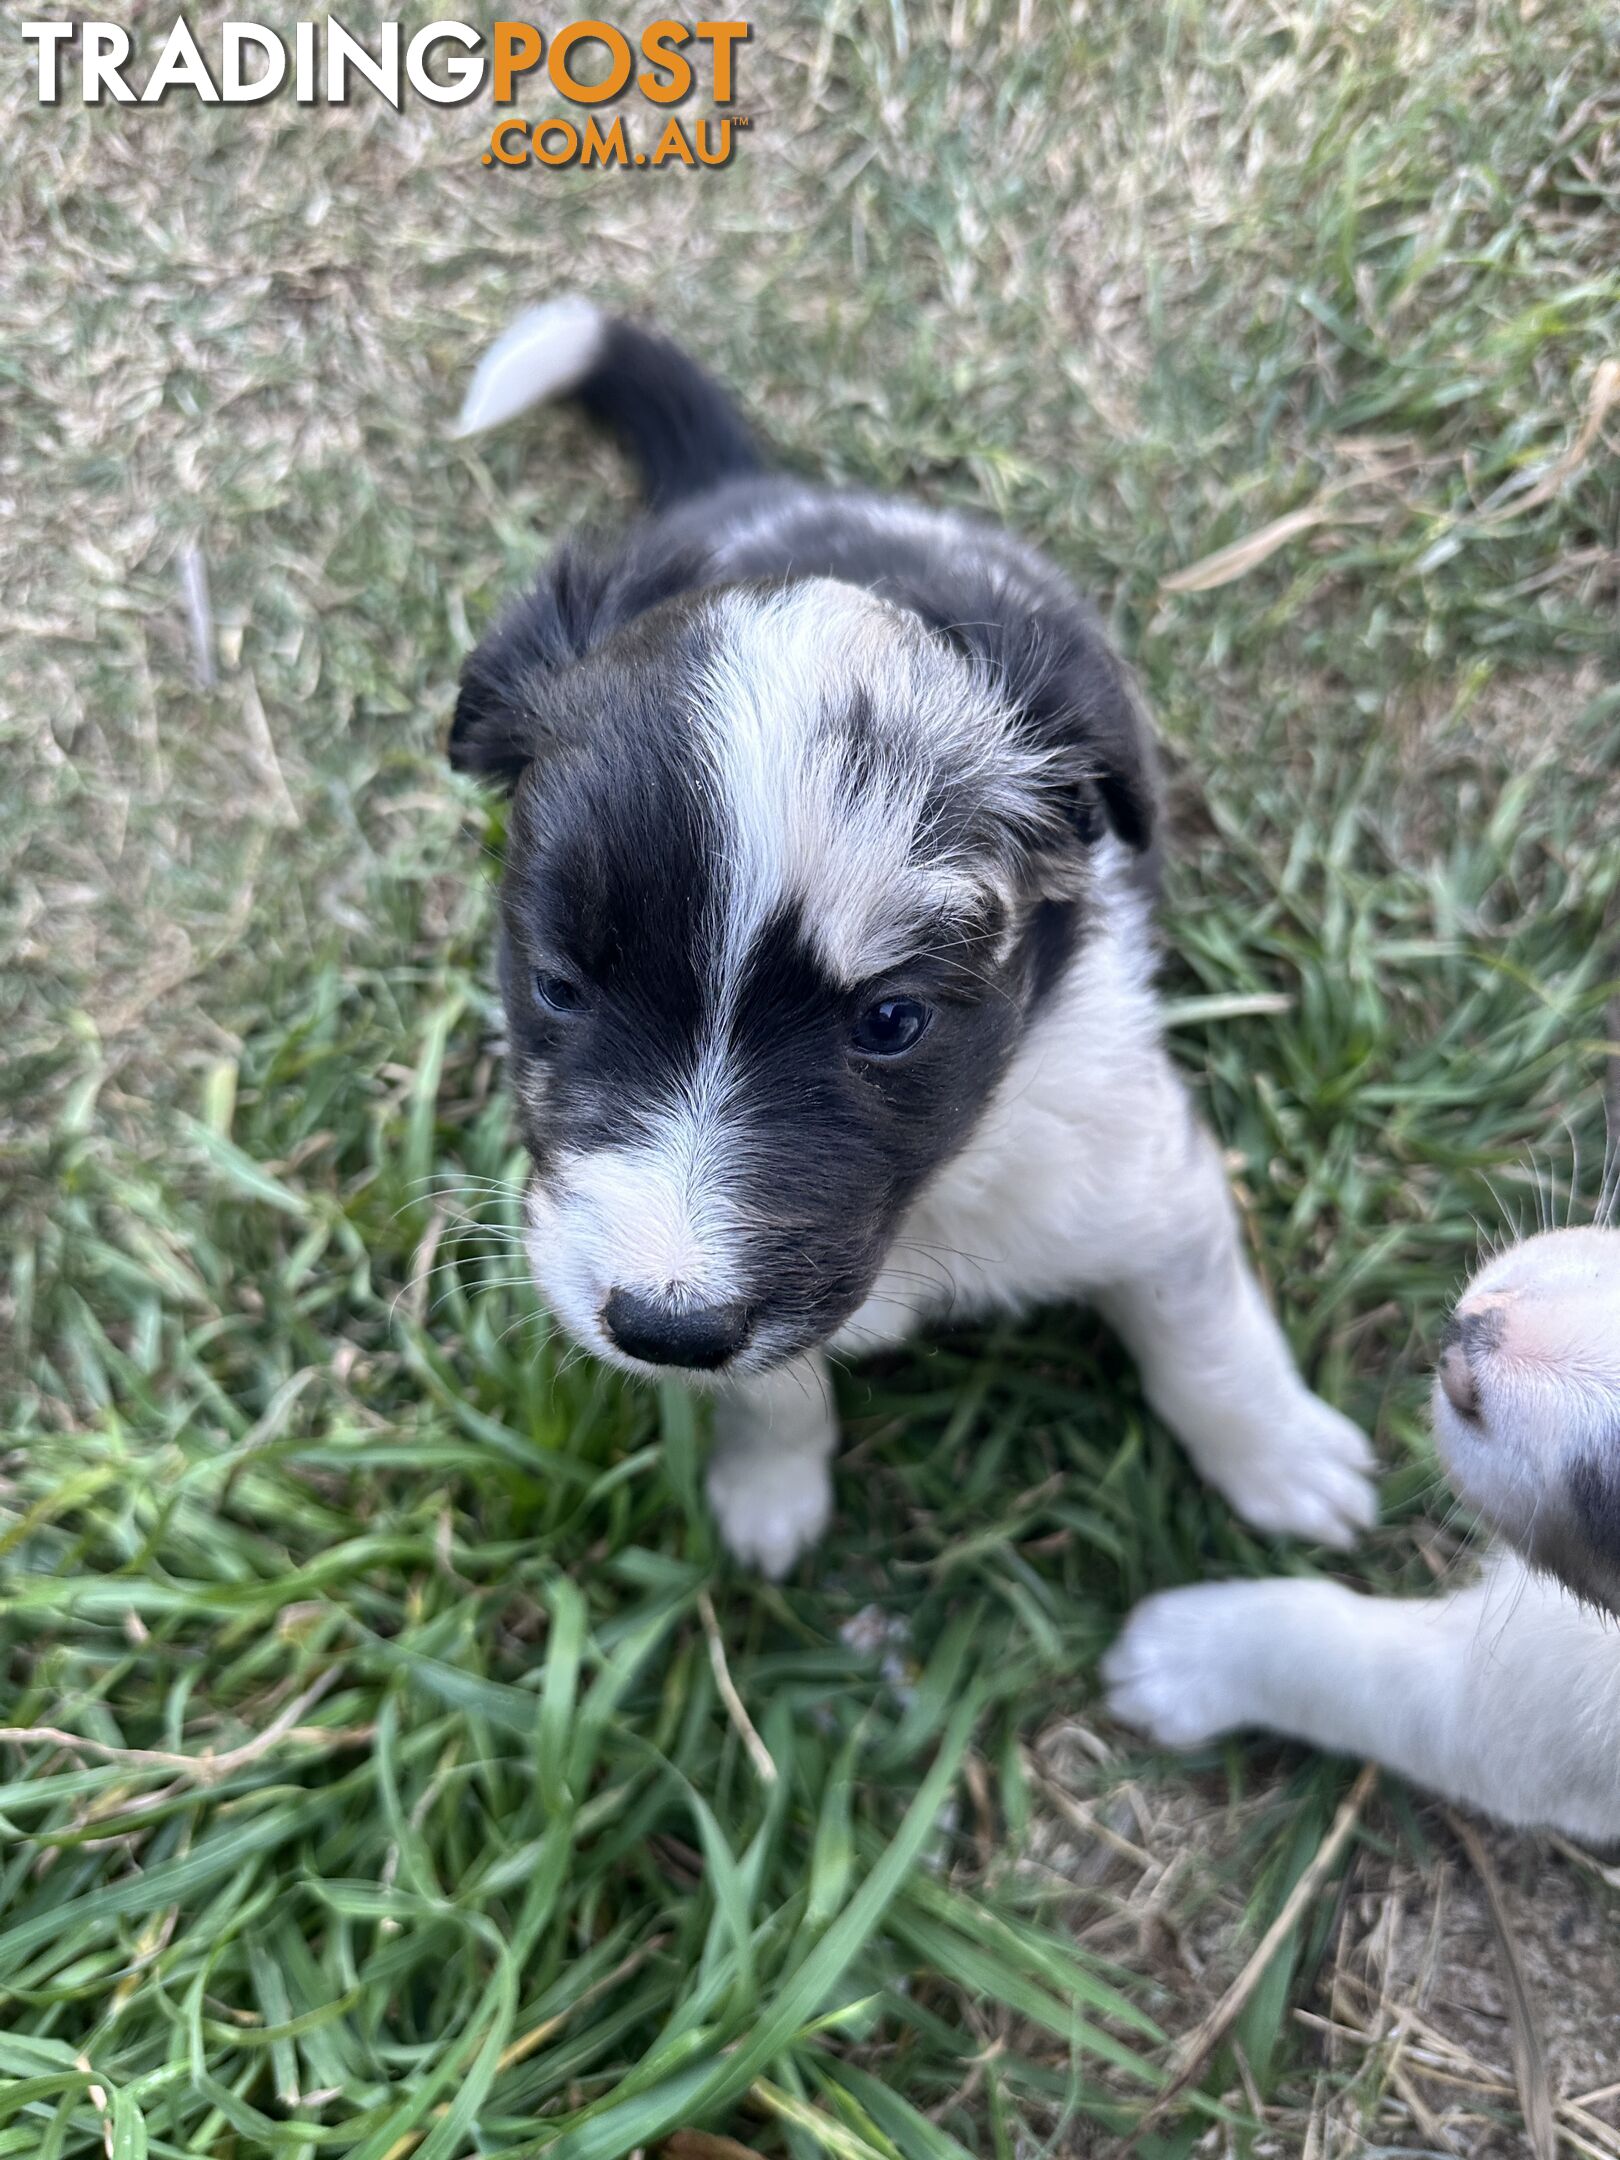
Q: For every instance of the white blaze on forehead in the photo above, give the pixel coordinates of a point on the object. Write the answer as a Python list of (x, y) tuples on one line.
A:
[(832, 720)]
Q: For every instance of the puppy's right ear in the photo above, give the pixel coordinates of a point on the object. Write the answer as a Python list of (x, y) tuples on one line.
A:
[(505, 713), (493, 735)]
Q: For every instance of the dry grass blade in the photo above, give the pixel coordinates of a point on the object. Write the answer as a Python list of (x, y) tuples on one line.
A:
[(1081, 1818), (1200, 2044), (758, 1753), (1600, 397), (205, 1768), (1524, 2029), (199, 608), (1592, 1865), (1242, 556)]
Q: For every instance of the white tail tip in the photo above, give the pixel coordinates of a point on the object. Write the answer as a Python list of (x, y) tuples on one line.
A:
[(544, 354)]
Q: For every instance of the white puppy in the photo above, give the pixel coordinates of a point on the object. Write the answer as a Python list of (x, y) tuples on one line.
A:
[(1505, 1695)]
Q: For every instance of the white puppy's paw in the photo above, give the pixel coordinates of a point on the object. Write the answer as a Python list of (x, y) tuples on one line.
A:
[(771, 1503), (1307, 1476), (1180, 1670)]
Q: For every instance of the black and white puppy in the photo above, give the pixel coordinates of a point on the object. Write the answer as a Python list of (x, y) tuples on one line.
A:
[(827, 958), (1505, 1694)]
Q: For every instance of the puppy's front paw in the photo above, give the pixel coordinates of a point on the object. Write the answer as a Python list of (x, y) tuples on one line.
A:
[(1180, 1669), (1307, 1476), (771, 1503)]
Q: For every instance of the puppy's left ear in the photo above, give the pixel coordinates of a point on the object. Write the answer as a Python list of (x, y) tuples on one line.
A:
[(506, 712), (1054, 665)]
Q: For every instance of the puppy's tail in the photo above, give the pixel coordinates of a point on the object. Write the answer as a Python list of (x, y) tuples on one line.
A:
[(679, 426)]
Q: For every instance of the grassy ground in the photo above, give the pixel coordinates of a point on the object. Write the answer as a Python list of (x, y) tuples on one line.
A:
[(371, 1783)]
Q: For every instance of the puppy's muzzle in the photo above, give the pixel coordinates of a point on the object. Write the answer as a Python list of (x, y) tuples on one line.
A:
[(663, 1330)]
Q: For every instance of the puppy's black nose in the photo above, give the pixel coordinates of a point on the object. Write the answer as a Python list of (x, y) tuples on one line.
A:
[(665, 1331)]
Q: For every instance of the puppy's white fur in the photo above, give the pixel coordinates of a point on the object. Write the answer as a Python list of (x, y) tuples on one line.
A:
[(1504, 1695), (544, 354), (854, 853)]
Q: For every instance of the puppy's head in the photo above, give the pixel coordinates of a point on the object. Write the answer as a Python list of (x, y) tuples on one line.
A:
[(1527, 1404), (788, 871)]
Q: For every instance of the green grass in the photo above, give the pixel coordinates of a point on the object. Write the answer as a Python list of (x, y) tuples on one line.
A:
[(406, 1803)]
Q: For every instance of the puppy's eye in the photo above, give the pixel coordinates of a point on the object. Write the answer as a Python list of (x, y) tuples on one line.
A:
[(891, 1027), (558, 995)]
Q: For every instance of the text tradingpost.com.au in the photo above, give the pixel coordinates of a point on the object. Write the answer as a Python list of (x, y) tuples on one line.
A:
[(587, 63)]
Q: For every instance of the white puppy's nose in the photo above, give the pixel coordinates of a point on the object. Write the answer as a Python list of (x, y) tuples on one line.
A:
[(1457, 1380), (1473, 1333)]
